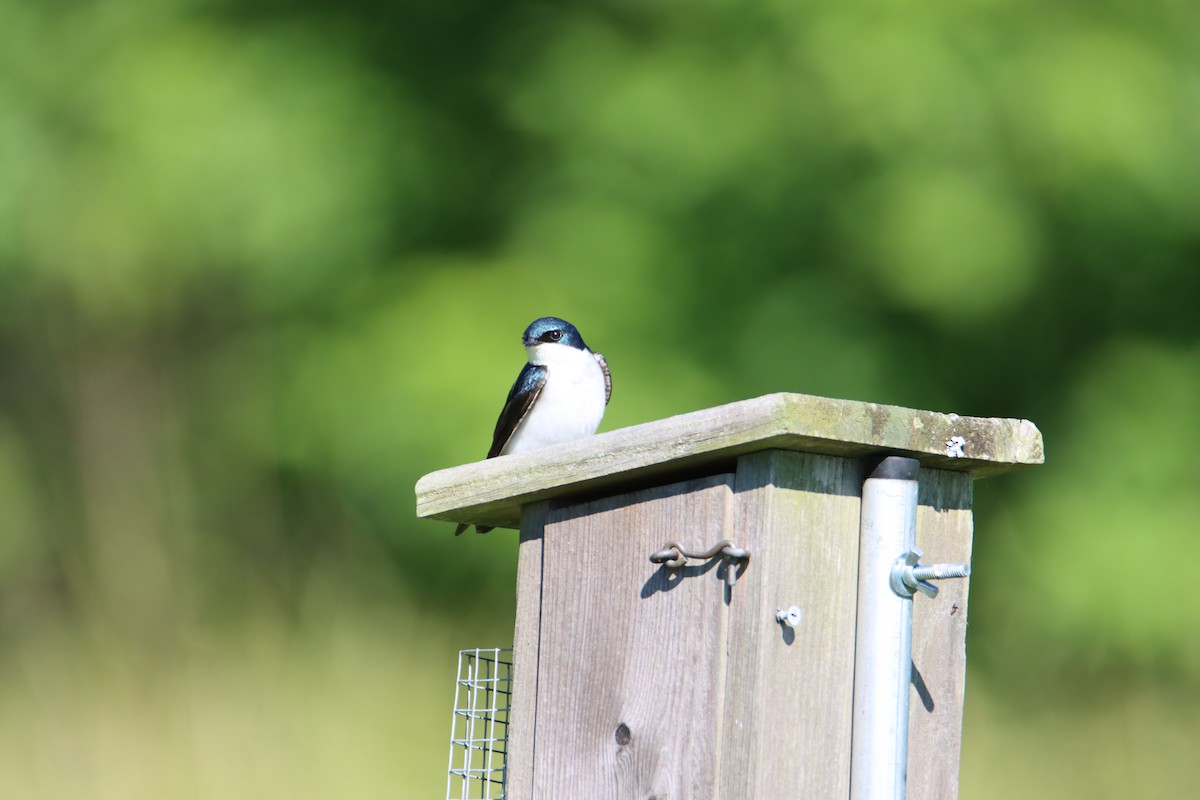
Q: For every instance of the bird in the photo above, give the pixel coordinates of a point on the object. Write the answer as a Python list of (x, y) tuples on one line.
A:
[(559, 396)]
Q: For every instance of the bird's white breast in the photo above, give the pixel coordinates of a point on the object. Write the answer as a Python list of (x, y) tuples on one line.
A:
[(571, 403)]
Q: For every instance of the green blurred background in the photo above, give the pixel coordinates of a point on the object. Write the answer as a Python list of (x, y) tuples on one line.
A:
[(262, 265)]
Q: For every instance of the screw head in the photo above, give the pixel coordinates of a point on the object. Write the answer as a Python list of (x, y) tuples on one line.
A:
[(791, 617)]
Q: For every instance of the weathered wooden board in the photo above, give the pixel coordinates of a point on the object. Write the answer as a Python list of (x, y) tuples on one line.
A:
[(493, 491), (526, 649), (789, 692), (939, 638), (631, 656)]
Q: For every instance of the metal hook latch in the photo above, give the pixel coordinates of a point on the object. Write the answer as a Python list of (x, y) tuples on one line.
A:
[(910, 577), (673, 555)]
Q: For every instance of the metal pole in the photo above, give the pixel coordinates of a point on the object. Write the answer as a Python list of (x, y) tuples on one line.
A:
[(883, 641)]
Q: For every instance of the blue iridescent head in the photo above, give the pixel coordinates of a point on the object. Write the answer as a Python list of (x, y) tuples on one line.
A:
[(552, 330)]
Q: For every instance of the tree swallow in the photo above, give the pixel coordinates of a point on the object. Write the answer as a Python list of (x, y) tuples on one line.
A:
[(559, 396)]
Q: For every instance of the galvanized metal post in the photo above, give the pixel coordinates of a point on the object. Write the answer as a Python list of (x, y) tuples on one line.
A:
[(883, 640)]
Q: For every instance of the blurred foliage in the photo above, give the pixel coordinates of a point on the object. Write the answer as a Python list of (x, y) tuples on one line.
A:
[(263, 265)]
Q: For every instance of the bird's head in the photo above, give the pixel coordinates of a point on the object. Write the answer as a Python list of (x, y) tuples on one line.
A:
[(552, 331)]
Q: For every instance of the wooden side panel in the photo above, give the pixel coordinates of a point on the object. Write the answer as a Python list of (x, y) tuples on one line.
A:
[(526, 646), (789, 693), (631, 668), (939, 654)]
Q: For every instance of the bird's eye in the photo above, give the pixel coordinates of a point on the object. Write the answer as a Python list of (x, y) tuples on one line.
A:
[(554, 336)]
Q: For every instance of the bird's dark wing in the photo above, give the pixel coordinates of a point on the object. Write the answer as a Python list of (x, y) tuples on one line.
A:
[(520, 399), (607, 377)]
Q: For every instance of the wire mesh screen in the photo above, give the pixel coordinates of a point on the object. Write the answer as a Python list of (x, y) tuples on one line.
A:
[(479, 735)]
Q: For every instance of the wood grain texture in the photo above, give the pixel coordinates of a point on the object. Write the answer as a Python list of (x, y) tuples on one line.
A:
[(789, 692), (631, 669), (526, 647), (493, 491), (944, 530)]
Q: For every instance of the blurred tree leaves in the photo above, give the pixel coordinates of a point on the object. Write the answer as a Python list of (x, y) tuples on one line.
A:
[(1100, 538), (262, 265)]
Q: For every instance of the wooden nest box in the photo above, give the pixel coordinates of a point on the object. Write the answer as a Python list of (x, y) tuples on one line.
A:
[(637, 679)]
